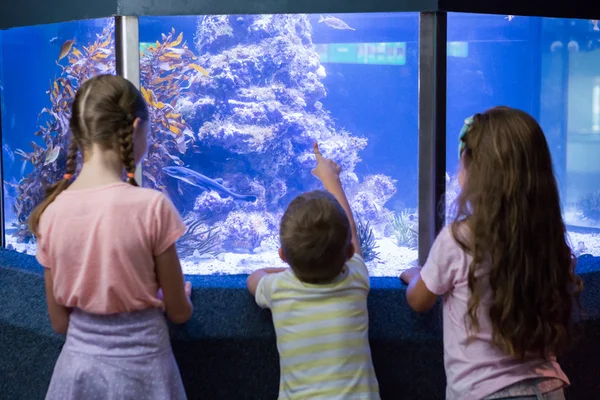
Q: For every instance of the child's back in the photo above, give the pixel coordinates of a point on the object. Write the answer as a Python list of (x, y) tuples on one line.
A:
[(475, 367), (107, 247), (503, 267), (319, 305), (322, 333), (102, 241)]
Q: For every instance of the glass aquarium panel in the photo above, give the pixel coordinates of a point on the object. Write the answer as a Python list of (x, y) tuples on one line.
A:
[(237, 102), (550, 68), (42, 68)]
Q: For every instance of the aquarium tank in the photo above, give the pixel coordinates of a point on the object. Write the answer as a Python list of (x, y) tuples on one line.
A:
[(550, 68), (41, 68), (236, 103)]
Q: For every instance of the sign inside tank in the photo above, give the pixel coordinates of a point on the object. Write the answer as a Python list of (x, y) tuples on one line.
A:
[(458, 49), (363, 53)]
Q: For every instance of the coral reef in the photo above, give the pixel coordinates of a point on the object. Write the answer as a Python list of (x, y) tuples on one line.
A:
[(369, 197), (366, 239), (251, 97), (49, 161), (448, 203), (261, 106), (244, 231), (589, 205)]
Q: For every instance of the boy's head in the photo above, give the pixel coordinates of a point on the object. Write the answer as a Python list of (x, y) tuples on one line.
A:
[(315, 236)]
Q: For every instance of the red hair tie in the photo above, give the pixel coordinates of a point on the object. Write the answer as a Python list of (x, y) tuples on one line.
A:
[(68, 176), (131, 175)]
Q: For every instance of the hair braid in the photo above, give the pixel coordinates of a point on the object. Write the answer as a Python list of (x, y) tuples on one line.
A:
[(55, 189), (126, 141)]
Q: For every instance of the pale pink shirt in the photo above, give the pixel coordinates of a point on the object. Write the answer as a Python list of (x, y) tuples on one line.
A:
[(476, 369), (100, 245)]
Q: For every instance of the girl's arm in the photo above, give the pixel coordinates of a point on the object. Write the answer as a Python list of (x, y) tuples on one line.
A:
[(257, 275), (170, 279), (59, 315), (419, 298)]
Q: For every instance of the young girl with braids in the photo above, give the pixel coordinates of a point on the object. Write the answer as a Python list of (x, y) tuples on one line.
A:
[(504, 266), (107, 247)]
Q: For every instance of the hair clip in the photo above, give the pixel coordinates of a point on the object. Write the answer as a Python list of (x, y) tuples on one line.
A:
[(131, 175), (67, 176), (461, 137)]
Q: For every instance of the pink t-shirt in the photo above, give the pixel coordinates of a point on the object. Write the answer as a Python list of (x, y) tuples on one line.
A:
[(100, 245), (476, 369)]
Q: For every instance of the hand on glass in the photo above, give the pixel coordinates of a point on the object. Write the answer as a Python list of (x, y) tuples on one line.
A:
[(409, 274)]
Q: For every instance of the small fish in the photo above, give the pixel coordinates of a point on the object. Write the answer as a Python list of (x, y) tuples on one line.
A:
[(51, 155), (199, 69), (595, 23), (65, 49), (54, 40), (194, 178), (335, 23), (509, 17)]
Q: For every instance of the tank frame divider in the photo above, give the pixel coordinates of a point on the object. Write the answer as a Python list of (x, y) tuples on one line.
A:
[(432, 128), (2, 212), (127, 54)]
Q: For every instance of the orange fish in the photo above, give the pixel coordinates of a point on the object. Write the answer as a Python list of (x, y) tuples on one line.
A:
[(65, 49)]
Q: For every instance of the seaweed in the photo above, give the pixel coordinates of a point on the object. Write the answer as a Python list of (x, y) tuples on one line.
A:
[(403, 230), (49, 162), (590, 205), (366, 240), (167, 71), (194, 243)]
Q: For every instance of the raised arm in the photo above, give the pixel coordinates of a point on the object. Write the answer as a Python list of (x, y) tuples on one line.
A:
[(328, 171)]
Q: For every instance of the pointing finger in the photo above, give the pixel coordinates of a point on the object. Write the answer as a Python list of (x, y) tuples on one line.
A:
[(317, 151)]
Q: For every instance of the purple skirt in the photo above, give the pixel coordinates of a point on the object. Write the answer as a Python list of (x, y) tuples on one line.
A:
[(120, 356)]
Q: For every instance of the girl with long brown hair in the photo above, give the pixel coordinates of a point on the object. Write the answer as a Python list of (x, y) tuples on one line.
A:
[(107, 247), (504, 266)]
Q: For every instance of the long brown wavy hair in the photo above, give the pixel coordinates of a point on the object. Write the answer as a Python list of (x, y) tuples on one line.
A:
[(510, 204), (103, 112)]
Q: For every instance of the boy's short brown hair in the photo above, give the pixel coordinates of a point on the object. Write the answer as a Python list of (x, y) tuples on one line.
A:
[(315, 235)]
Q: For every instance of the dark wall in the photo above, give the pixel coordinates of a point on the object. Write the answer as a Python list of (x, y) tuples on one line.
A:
[(36, 12)]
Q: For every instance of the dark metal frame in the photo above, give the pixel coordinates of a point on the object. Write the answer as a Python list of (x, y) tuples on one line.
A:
[(127, 54), (432, 128), (2, 219)]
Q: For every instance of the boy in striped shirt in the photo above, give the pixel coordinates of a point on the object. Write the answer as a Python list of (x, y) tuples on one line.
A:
[(319, 305)]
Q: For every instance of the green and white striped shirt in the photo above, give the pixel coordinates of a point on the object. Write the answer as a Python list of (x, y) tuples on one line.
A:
[(322, 334)]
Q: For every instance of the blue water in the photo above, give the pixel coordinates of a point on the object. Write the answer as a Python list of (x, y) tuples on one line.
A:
[(240, 147)]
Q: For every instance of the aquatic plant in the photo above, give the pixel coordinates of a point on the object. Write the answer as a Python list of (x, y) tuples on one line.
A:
[(366, 239), (167, 70), (49, 160), (589, 205), (404, 230), (198, 240)]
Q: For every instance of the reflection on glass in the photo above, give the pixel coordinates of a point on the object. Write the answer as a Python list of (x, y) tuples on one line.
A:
[(42, 67), (236, 104), (548, 67)]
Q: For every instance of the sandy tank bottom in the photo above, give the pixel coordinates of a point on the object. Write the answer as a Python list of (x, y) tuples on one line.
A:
[(391, 262)]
